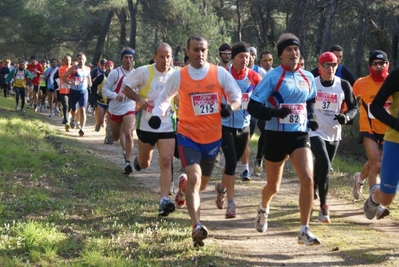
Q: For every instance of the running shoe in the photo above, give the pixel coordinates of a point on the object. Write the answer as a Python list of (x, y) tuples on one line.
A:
[(136, 164), (97, 127), (81, 133), (198, 234), (370, 208), (220, 196), (128, 168), (50, 114), (16, 107), (108, 139), (261, 219), (22, 110), (35, 108), (382, 212), (324, 214), (41, 109), (78, 124), (67, 127), (180, 198), (307, 238), (231, 211), (73, 124), (245, 176), (358, 186), (57, 111), (166, 207)]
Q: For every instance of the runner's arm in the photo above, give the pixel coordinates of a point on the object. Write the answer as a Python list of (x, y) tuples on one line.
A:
[(164, 99), (388, 88)]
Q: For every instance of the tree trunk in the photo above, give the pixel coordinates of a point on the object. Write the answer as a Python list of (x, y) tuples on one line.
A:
[(327, 33), (299, 22), (133, 22), (122, 22), (359, 61), (320, 31), (101, 38), (395, 41), (239, 21)]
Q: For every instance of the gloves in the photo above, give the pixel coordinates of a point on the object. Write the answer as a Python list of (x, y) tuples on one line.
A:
[(341, 118), (154, 122), (313, 124), (280, 112), (226, 110)]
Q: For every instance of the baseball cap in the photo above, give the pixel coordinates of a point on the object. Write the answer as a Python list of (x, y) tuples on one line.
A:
[(377, 54), (328, 57)]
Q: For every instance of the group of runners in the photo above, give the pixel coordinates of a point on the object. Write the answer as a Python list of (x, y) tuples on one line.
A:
[(198, 110)]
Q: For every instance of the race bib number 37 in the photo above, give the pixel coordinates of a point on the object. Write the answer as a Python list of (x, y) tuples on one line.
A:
[(297, 116), (205, 104), (326, 101)]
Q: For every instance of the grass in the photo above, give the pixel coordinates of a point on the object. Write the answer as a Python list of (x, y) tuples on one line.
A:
[(61, 206)]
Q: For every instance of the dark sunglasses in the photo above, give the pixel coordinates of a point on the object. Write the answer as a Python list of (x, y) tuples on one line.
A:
[(378, 63), (329, 65)]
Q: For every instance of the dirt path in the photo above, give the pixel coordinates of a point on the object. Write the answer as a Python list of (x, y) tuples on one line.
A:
[(278, 246)]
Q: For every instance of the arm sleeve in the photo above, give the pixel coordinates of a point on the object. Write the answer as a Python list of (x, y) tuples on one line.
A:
[(258, 110), (388, 88), (350, 99), (227, 82), (164, 99), (96, 82), (109, 84), (10, 76)]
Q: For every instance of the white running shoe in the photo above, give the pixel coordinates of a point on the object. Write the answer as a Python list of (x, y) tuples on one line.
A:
[(261, 219), (307, 238)]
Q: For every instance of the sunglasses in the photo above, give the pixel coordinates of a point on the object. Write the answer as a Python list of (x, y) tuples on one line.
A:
[(329, 65), (267, 59), (379, 63)]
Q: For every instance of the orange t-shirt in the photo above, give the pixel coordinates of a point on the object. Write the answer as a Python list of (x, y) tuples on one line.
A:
[(367, 88), (200, 100), (64, 88)]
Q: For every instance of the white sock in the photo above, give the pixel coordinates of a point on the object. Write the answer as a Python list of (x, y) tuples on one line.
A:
[(246, 167)]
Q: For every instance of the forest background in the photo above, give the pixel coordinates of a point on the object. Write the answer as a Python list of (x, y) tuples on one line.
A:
[(100, 28)]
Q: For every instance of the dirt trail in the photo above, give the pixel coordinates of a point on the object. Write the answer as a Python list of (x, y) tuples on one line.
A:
[(278, 246)]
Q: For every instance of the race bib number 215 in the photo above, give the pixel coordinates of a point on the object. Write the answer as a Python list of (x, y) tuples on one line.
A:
[(205, 104)]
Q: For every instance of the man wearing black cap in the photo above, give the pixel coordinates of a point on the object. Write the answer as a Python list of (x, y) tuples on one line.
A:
[(371, 130), (235, 128), (225, 55), (285, 98)]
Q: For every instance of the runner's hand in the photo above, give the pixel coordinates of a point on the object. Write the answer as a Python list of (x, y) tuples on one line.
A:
[(226, 110), (280, 112), (313, 124), (341, 118), (154, 122)]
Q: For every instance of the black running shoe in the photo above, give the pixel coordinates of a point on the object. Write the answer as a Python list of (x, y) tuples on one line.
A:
[(128, 168)]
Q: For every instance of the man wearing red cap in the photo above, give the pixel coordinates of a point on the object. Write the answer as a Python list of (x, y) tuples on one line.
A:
[(332, 91), (371, 130)]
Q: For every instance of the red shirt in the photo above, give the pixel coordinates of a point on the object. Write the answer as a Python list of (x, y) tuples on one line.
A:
[(36, 70)]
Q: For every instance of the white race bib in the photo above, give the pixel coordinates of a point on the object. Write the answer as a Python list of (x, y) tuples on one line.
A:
[(245, 100), (326, 101), (205, 104), (297, 116)]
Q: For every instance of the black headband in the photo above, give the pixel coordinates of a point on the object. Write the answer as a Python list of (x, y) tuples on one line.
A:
[(236, 50), (283, 45)]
